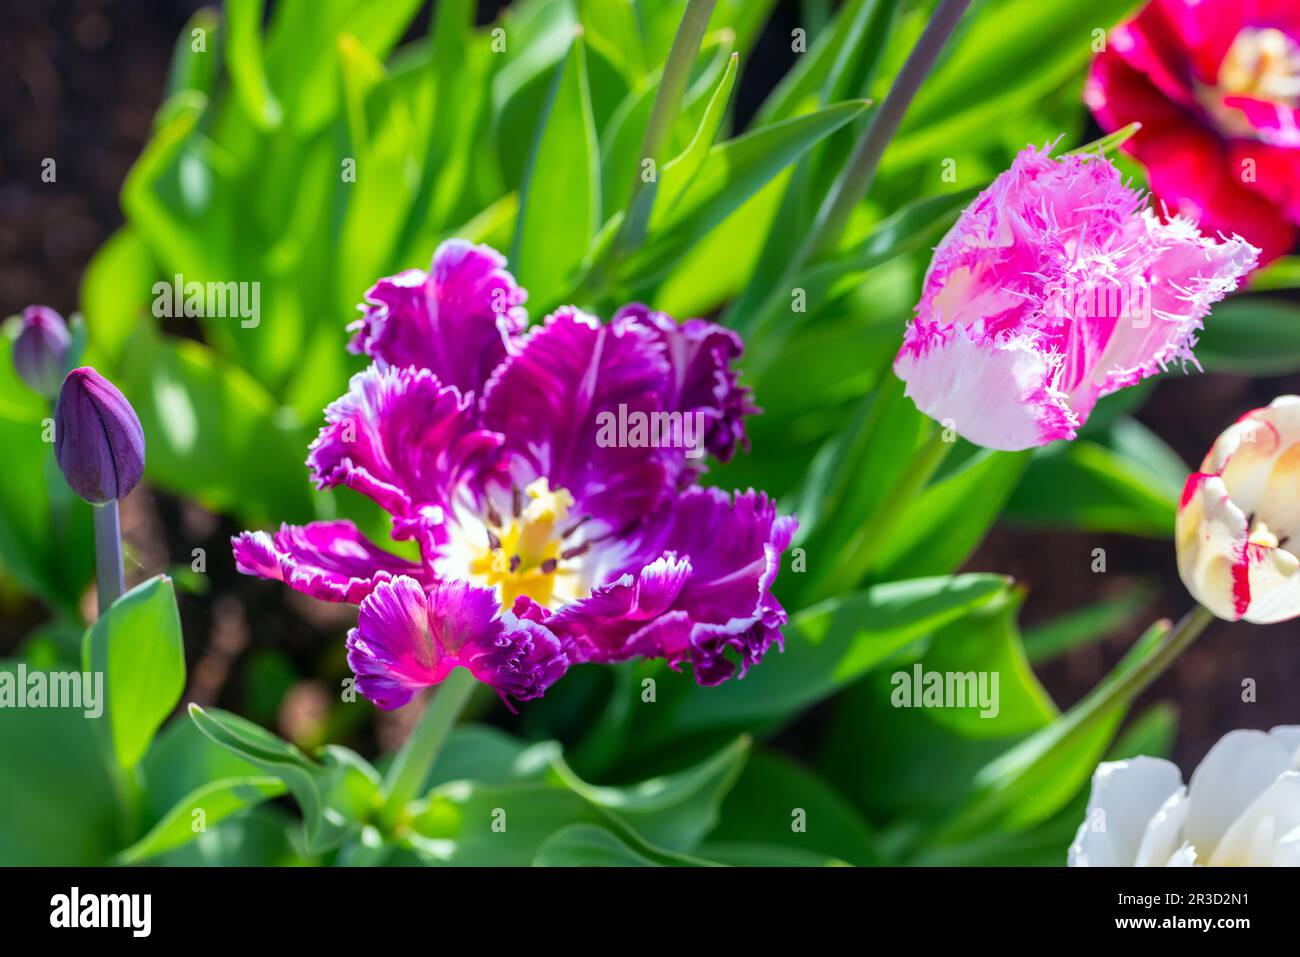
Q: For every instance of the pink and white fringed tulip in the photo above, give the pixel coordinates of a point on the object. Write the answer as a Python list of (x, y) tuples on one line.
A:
[(1240, 513), (1057, 286)]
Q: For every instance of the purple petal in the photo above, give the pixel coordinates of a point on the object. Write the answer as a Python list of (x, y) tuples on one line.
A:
[(41, 350), (406, 640), (98, 439), (702, 382), (550, 399), (454, 320), (327, 560), (404, 439), (709, 590)]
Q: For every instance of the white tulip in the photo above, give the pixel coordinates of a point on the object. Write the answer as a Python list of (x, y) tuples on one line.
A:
[(1239, 520), (1241, 809)]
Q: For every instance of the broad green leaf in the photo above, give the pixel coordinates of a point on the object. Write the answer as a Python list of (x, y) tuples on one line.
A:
[(451, 43), (826, 647), (1147, 452), (301, 64), (46, 540), (262, 836), (765, 855), (852, 51), (836, 501), (180, 760), (591, 845), (1031, 781), (467, 823), (245, 63), (381, 139), (174, 228), (612, 25), (800, 88), (1107, 492), (559, 205), (679, 173), (588, 845), (1251, 335), (744, 18), (982, 645), (1010, 56), (194, 63), (913, 228), (475, 752), (58, 804), (215, 434), (333, 797), (210, 804), (116, 291), (720, 264), (732, 172), (781, 804), (881, 771), (945, 523), (675, 811), (136, 644)]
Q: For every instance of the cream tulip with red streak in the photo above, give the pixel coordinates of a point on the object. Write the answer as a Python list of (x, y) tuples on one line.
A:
[(1239, 519)]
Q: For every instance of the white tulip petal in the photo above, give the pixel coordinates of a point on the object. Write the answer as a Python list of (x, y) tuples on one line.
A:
[(1185, 856), (1164, 833), (1288, 735), (1238, 769), (1267, 834), (1211, 535), (1125, 796), (1274, 585)]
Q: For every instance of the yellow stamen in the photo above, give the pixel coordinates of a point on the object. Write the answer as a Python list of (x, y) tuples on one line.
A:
[(1260, 535), (527, 561)]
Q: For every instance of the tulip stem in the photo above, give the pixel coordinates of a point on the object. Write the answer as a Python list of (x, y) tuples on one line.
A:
[(417, 755), (860, 170), (864, 548), (854, 182), (1133, 683), (1032, 758), (110, 580)]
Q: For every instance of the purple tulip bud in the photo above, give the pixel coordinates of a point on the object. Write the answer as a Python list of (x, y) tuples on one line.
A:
[(41, 350), (98, 441)]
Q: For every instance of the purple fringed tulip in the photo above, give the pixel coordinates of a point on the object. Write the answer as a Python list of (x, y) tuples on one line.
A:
[(548, 477), (41, 350), (98, 441)]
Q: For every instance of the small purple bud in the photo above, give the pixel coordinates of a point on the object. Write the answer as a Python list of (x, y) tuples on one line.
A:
[(98, 441), (41, 350)]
